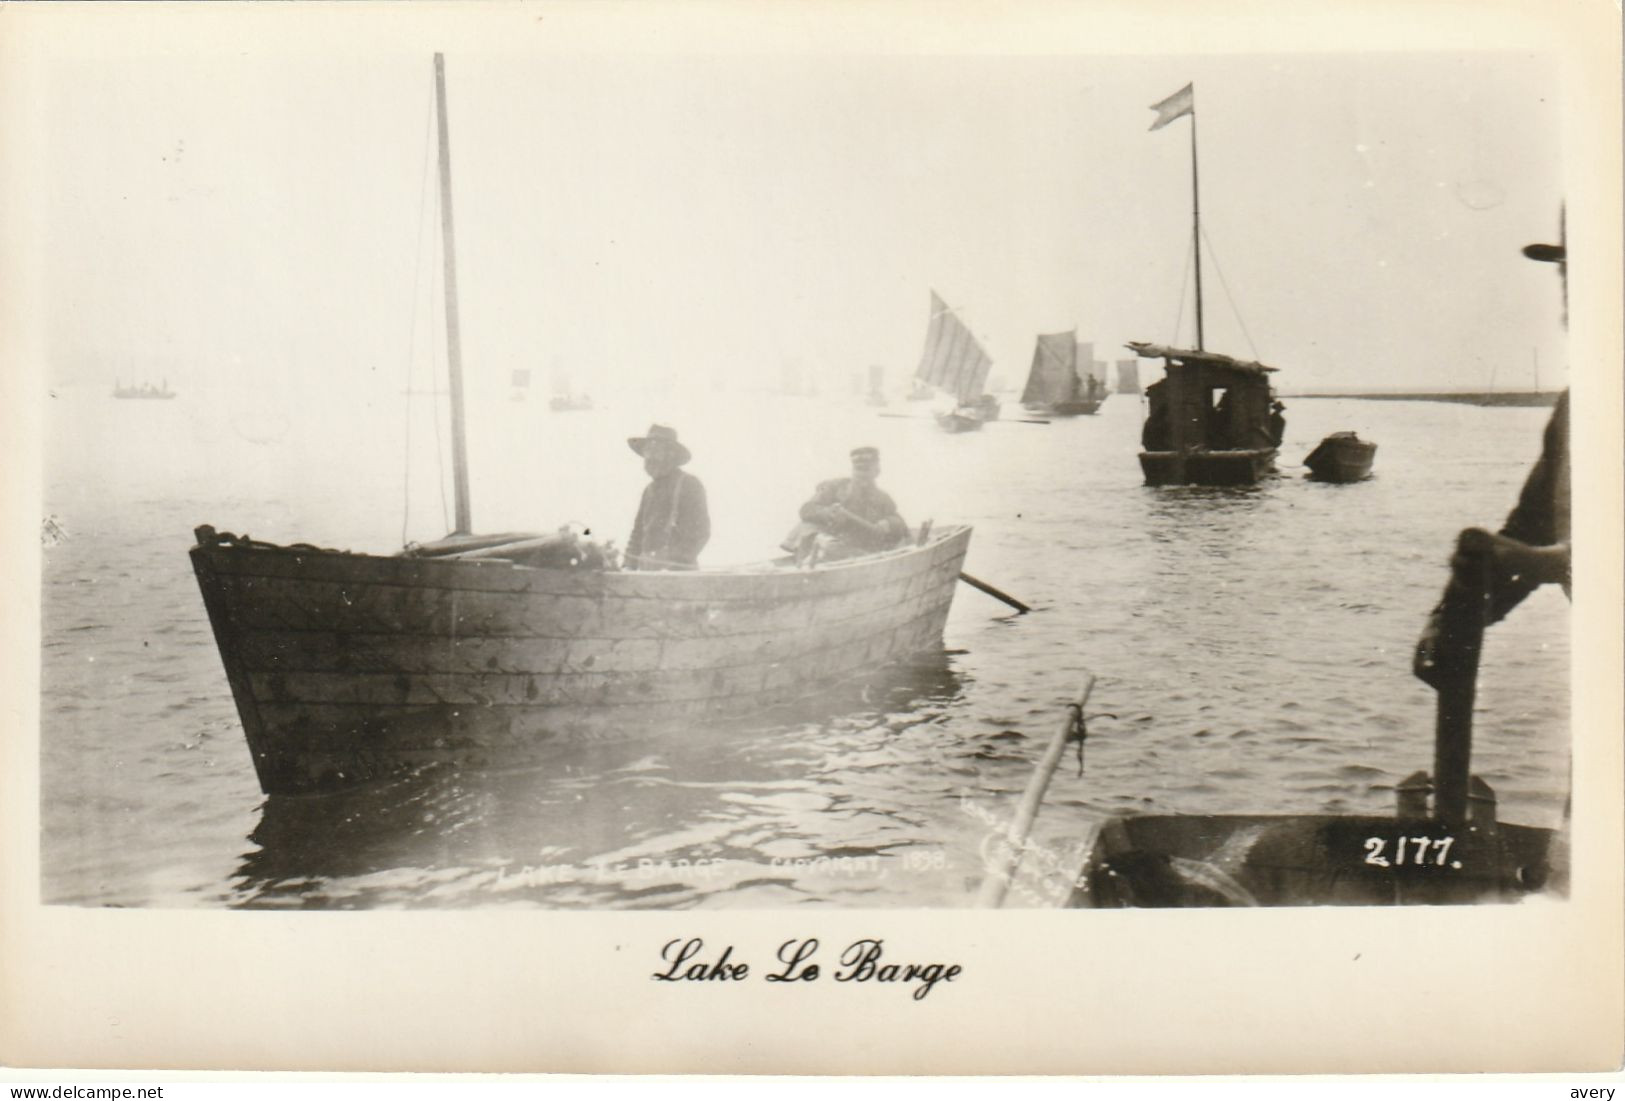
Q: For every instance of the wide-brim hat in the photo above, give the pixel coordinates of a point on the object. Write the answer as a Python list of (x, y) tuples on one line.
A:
[(641, 443)]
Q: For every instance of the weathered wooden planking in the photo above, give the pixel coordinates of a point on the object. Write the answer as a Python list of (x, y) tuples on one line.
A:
[(731, 671), (265, 651), (291, 604), (303, 733), (320, 746)]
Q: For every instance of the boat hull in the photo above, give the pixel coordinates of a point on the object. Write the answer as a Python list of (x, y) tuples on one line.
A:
[(1299, 860), (959, 422), (345, 667), (1206, 468), (1341, 457), (1065, 408)]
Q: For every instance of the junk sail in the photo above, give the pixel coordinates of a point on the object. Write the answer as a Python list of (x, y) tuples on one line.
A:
[(1054, 375), (952, 359), (1054, 387)]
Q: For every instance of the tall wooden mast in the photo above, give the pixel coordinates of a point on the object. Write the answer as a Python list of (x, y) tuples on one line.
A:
[(1196, 232), (454, 355)]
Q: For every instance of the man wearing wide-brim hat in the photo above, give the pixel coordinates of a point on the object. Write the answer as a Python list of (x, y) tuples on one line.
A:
[(673, 523)]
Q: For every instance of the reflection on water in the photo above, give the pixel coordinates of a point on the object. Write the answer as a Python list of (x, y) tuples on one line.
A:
[(521, 837)]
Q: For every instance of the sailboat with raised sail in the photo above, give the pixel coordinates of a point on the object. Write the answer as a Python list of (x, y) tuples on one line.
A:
[(1128, 376), (493, 650), (1212, 419), (954, 362), (1053, 386)]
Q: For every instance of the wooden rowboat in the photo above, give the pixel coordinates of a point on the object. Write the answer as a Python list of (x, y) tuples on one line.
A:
[(346, 667), (1341, 457), (489, 650)]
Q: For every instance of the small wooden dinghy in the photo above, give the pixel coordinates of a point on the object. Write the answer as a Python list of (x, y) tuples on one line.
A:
[(1341, 457)]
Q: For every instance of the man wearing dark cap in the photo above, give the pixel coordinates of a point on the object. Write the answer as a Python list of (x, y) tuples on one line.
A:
[(673, 524), (1532, 547), (853, 516)]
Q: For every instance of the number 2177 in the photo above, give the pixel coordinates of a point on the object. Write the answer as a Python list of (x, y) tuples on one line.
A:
[(1430, 851)]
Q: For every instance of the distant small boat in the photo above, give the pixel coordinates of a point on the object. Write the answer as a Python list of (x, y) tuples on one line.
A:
[(1341, 457), (954, 362), (1053, 386), (877, 385), (1128, 376), (566, 399), (145, 390)]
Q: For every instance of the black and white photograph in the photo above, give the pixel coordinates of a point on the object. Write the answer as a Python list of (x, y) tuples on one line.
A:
[(550, 471)]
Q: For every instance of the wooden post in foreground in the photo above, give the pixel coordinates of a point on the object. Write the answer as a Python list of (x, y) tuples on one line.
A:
[(997, 884)]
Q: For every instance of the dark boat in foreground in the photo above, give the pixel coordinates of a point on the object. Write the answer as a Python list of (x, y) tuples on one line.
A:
[(1341, 457), (1443, 845)]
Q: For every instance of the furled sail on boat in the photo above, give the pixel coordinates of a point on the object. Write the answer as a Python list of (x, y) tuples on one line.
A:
[(492, 650), (954, 362)]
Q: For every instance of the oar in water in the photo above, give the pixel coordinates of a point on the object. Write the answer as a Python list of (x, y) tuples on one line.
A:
[(997, 884), (997, 594)]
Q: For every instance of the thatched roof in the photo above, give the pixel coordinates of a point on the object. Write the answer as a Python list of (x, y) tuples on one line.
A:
[(1190, 357)]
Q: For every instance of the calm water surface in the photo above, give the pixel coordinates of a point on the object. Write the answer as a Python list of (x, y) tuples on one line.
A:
[(1252, 651)]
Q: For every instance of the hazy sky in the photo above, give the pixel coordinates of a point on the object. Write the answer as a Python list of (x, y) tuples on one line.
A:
[(260, 222)]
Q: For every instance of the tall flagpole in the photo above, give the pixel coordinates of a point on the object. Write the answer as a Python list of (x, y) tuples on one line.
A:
[(454, 355), (1196, 225)]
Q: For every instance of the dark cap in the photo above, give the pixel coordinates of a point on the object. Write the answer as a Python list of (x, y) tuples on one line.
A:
[(865, 453)]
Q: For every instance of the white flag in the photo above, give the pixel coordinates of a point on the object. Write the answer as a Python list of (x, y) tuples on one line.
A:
[(1182, 102)]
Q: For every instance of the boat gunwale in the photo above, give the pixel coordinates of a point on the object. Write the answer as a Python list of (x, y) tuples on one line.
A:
[(780, 567)]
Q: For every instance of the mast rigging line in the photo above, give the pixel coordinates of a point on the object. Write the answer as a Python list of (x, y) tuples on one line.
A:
[(1185, 285), (412, 334), (1224, 283)]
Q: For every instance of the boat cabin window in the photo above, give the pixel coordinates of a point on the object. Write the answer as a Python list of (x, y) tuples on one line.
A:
[(1225, 425)]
